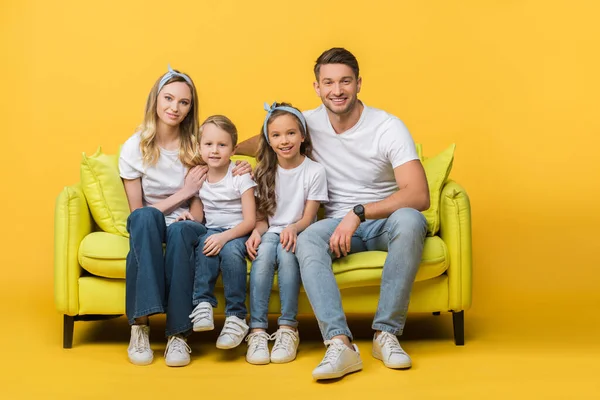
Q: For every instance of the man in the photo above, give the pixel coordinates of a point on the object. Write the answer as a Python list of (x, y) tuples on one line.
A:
[(377, 186)]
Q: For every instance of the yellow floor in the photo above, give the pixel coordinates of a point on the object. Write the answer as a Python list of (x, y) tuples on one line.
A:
[(544, 355)]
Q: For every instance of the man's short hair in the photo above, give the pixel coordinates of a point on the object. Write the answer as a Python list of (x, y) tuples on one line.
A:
[(336, 55)]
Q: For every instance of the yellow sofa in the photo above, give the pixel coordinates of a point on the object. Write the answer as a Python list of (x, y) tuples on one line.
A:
[(89, 267)]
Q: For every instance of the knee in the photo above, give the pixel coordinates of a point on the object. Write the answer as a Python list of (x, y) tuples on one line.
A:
[(407, 221), (183, 229), (145, 216)]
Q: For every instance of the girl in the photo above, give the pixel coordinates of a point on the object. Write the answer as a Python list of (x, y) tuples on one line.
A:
[(229, 207), (290, 189), (153, 164)]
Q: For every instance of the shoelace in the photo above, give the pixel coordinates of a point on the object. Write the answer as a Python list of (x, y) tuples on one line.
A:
[(255, 343), (233, 328), (141, 342), (386, 339), (201, 313), (178, 345), (333, 352), (283, 339)]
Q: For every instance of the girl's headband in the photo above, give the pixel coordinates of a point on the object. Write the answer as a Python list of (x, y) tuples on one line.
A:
[(171, 74), (291, 110)]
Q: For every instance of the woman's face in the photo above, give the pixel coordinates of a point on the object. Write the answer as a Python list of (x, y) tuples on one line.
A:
[(174, 103)]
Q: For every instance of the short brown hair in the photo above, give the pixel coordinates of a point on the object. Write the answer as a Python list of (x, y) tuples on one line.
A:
[(223, 123), (336, 55)]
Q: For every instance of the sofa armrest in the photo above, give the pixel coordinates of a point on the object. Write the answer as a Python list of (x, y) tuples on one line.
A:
[(455, 231), (72, 222)]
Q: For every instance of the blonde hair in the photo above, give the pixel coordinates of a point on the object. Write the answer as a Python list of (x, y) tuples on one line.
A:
[(187, 129), (266, 164)]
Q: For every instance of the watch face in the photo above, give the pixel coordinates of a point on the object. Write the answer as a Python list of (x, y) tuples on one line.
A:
[(359, 209)]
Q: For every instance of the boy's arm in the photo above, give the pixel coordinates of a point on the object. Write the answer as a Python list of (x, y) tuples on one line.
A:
[(249, 213), (197, 209)]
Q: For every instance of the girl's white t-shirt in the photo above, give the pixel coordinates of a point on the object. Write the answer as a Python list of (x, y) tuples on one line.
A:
[(293, 187), (223, 200), (159, 181)]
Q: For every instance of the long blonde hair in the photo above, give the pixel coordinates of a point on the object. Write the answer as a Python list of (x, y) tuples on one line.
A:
[(187, 129), (266, 165)]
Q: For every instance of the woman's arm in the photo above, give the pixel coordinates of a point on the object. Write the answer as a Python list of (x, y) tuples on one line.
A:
[(191, 186), (133, 190)]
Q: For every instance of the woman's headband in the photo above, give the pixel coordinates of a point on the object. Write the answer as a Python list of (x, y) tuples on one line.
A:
[(291, 110), (171, 74)]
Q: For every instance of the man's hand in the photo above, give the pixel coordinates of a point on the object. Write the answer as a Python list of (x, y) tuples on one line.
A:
[(288, 237), (252, 244), (185, 215), (339, 243), (242, 167), (213, 244)]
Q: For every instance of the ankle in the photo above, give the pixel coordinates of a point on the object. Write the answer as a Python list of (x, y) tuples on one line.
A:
[(141, 321), (344, 339), (291, 328), (256, 330)]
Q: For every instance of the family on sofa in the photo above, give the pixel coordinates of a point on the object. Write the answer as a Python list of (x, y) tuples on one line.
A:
[(185, 192)]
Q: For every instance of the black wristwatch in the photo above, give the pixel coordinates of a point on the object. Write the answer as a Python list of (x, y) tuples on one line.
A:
[(359, 210)]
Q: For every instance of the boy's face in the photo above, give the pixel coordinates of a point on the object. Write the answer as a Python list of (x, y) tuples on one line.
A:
[(216, 146)]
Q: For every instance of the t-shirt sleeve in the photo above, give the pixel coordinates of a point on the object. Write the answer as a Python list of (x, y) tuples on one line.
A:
[(245, 182), (318, 185), (397, 144), (130, 160)]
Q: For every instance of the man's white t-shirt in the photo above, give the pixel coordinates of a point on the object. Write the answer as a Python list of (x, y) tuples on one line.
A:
[(223, 200), (293, 187), (159, 181), (359, 162)]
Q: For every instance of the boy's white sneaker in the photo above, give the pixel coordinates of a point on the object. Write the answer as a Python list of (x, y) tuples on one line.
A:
[(202, 317), (339, 360), (139, 350), (234, 331), (177, 353), (286, 345), (387, 349), (258, 348)]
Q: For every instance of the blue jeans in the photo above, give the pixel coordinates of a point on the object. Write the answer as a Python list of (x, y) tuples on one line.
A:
[(402, 235), (155, 280), (270, 254), (231, 262)]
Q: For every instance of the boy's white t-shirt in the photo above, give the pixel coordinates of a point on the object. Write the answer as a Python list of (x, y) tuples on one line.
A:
[(293, 187), (223, 200), (159, 181), (359, 162)]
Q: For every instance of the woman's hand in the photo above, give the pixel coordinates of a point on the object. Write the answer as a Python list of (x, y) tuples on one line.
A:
[(194, 179), (214, 244), (252, 244), (185, 216), (288, 237)]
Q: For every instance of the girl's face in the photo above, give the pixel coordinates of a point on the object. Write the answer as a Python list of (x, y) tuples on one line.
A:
[(285, 138), (173, 104), (216, 146)]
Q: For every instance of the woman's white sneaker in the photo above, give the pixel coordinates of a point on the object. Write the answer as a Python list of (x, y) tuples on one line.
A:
[(339, 360), (202, 317), (258, 348), (286, 345), (139, 350), (387, 349), (177, 353), (233, 332)]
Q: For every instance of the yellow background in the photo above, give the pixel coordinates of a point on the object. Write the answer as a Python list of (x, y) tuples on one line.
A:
[(514, 84)]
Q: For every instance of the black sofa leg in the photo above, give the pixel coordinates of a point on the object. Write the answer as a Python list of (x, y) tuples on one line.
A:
[(68, 325), (436, 313), (458, 320)]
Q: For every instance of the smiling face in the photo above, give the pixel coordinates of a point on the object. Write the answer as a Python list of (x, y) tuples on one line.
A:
[(173, 103), (216, 146), (285, 138), (338, 88)]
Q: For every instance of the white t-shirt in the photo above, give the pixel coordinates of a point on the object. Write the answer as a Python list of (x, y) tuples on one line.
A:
[(223, 200), (293, 187), (159, 181), (359, 162)]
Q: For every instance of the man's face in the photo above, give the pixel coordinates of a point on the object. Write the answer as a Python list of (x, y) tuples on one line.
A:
[(338, 88)]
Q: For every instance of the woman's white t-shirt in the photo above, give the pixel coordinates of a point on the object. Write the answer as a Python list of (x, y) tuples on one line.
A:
[(159, 181)]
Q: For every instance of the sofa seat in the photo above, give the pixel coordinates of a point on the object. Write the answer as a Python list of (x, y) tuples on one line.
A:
[(103, 254)]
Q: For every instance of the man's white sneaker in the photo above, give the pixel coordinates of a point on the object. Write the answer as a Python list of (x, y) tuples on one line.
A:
[(139, 349), (286, 345), (202, 317), (258, 348), (387, 349), (339, 360), (234, 331), (177, 353)]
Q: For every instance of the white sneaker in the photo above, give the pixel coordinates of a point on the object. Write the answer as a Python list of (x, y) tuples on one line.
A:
[(177, 353), (139, 349), (339, 360), (258, 348), (387, 349), (202, 317), (233, 333), (286, 345)]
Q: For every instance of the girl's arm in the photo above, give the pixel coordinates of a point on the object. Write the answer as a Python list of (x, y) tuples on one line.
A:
[(133, 190), (288, 236), (254, 240)]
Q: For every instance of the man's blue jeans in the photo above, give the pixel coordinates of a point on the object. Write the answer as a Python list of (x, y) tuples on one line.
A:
[(270, 254), (231, 261), (402, 235), (158, 281)]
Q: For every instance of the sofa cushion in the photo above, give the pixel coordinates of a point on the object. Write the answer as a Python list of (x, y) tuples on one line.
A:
[(104, 192), (103, 254), (437, 169)]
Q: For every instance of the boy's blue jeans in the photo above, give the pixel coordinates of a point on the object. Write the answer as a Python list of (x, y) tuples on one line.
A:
[(231, 262), (157, 281), (270, 254)]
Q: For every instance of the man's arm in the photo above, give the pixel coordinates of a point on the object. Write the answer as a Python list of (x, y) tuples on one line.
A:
[(248, 147)]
